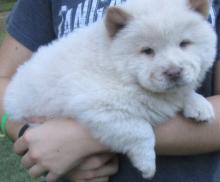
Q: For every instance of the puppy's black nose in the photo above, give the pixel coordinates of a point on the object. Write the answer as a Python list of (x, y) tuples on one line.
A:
[(173, 73)]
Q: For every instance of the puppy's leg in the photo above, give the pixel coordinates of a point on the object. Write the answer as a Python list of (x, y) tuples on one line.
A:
[(197, 107), (128, 135)]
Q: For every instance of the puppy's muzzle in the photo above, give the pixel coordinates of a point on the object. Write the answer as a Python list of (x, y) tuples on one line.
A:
[(173, 73)]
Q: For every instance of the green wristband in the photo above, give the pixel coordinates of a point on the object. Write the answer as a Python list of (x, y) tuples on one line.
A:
[(3, 123)]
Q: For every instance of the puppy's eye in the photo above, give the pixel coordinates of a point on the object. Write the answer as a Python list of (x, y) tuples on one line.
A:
[(185, 43), (148, 51)]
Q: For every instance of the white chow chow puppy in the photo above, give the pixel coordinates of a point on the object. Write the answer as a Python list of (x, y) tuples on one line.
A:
[(121, 76)]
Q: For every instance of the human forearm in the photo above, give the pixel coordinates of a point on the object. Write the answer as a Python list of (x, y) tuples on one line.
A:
[(12, 54), (184, 137)]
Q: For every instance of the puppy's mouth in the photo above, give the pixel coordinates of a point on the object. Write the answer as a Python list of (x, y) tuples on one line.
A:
[(163, 84), (175, 85), (160, 83)]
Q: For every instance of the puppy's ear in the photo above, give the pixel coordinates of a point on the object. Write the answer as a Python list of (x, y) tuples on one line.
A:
[(200, 6), (116, 19)]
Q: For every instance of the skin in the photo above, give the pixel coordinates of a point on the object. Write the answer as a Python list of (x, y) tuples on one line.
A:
[(190, 138), (182, 136), (40, 159)]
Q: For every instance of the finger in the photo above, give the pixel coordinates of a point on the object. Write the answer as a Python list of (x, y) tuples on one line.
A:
[(106, 179), (104, 171), (51, 177), (36, 171), (108, 170), (20, 146), (27, 161), (96, 161)]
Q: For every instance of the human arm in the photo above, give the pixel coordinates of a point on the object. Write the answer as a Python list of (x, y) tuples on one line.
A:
[(182, 136), (12, 54)]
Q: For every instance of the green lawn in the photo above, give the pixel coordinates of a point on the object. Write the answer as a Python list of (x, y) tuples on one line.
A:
[(10, 169), (6, 6), (1, 37), (2, 19)]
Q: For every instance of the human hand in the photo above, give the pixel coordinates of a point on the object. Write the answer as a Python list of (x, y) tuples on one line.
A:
[(96, 168), (55, 147)]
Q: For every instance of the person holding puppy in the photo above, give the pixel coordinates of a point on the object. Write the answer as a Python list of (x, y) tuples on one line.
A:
[(189, 138)]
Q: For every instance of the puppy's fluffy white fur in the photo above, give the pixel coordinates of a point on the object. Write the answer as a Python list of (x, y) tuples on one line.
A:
[(122, 75)]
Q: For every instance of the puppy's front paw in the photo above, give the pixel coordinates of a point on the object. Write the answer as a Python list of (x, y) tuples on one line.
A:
[(199, 108)]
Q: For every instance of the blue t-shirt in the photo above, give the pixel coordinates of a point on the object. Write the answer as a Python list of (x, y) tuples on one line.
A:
[(37, 22)]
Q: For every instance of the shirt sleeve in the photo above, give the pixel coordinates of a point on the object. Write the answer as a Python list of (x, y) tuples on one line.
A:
[(31, 23)]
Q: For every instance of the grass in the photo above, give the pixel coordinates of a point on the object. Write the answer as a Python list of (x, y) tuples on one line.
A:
[(10, 168), (2, 19), (1, 37), (6, 6)]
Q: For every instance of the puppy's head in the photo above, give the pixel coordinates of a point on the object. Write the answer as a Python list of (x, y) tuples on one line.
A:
[(161, 45)]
